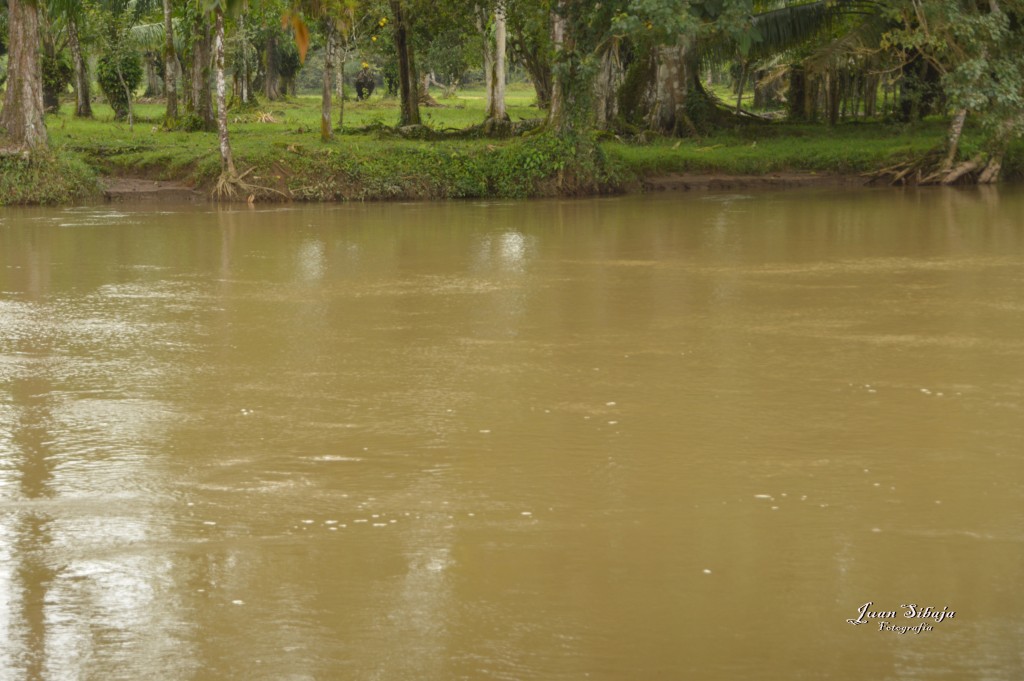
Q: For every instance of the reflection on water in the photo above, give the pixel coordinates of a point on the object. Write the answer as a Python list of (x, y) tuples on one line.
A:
[(638, 438)]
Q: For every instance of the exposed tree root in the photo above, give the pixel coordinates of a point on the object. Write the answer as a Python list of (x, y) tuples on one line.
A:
[(232, 185), (934, 168), (961, 170), (990, 174), (428, 101)]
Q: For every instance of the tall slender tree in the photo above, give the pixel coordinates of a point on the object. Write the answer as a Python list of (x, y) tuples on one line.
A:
[(495, 40), (199, 95), (72, 14), (408, 85), (326, 130), (170, 65), (228, 172), (83, 100)]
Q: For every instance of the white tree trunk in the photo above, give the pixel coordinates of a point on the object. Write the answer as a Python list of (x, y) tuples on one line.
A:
[(956, 129), (496, 73), (488, 71), (326, 133), (557, 40), (609, 78), (245, 56), (170, 64), (341, 90)]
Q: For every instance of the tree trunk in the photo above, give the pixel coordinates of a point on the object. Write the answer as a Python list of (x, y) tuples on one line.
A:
[(797, 93), (870, 96), (202, 97), (609, 79), (556, 110), (227, 161), (407, 83), (83, 107), (424, 88), (956, 129), (22, 115), (153, 86), (496, 68), (488, 68), (272, 77), (811, 96), (341, 89), (832, 92), (990, 174), (326, 133), (539, 68), (341, 52), (739, 87), (170, 65), (245, 79), (961, 170), (675, 77), (48, 59)]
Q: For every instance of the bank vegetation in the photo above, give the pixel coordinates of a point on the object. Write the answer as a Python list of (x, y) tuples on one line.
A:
[(378, 99)]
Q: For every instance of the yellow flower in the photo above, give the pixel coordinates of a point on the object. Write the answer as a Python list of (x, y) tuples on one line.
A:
[(383, 22), (374, 38)]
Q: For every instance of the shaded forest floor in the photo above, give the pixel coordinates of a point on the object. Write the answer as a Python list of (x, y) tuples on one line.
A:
[(279, 143)]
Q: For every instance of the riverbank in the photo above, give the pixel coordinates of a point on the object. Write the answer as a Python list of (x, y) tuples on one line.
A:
[(279, 149)]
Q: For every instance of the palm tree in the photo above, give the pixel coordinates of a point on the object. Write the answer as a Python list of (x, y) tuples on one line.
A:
[(71, 13), (170, 66), (229, 181)]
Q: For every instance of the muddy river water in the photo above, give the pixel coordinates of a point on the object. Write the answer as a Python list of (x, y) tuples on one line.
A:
[(636, 439)]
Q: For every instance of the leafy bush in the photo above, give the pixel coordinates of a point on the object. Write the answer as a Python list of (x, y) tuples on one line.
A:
[(111, 81)]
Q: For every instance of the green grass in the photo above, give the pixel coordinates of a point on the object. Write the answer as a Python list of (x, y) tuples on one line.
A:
[(784, 147), (280, 143)]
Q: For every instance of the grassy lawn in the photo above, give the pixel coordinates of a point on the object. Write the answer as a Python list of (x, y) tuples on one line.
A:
[(781, 147), (274, 133), (280, 143)]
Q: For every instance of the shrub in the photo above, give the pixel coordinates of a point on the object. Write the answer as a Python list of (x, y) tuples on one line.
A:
[(111, 81)]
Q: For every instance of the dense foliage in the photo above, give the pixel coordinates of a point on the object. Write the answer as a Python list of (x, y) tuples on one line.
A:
[(636, 68), (118, 75)]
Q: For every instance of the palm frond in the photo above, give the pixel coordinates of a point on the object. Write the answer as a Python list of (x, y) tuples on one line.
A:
[(860, 42), (148, 37), (780, 29), (151, 37)]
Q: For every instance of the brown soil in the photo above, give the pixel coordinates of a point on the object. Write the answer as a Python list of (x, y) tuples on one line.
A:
[(686, 182), (127, 189)]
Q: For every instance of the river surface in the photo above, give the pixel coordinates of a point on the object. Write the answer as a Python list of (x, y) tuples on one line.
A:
[(630, 439)]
